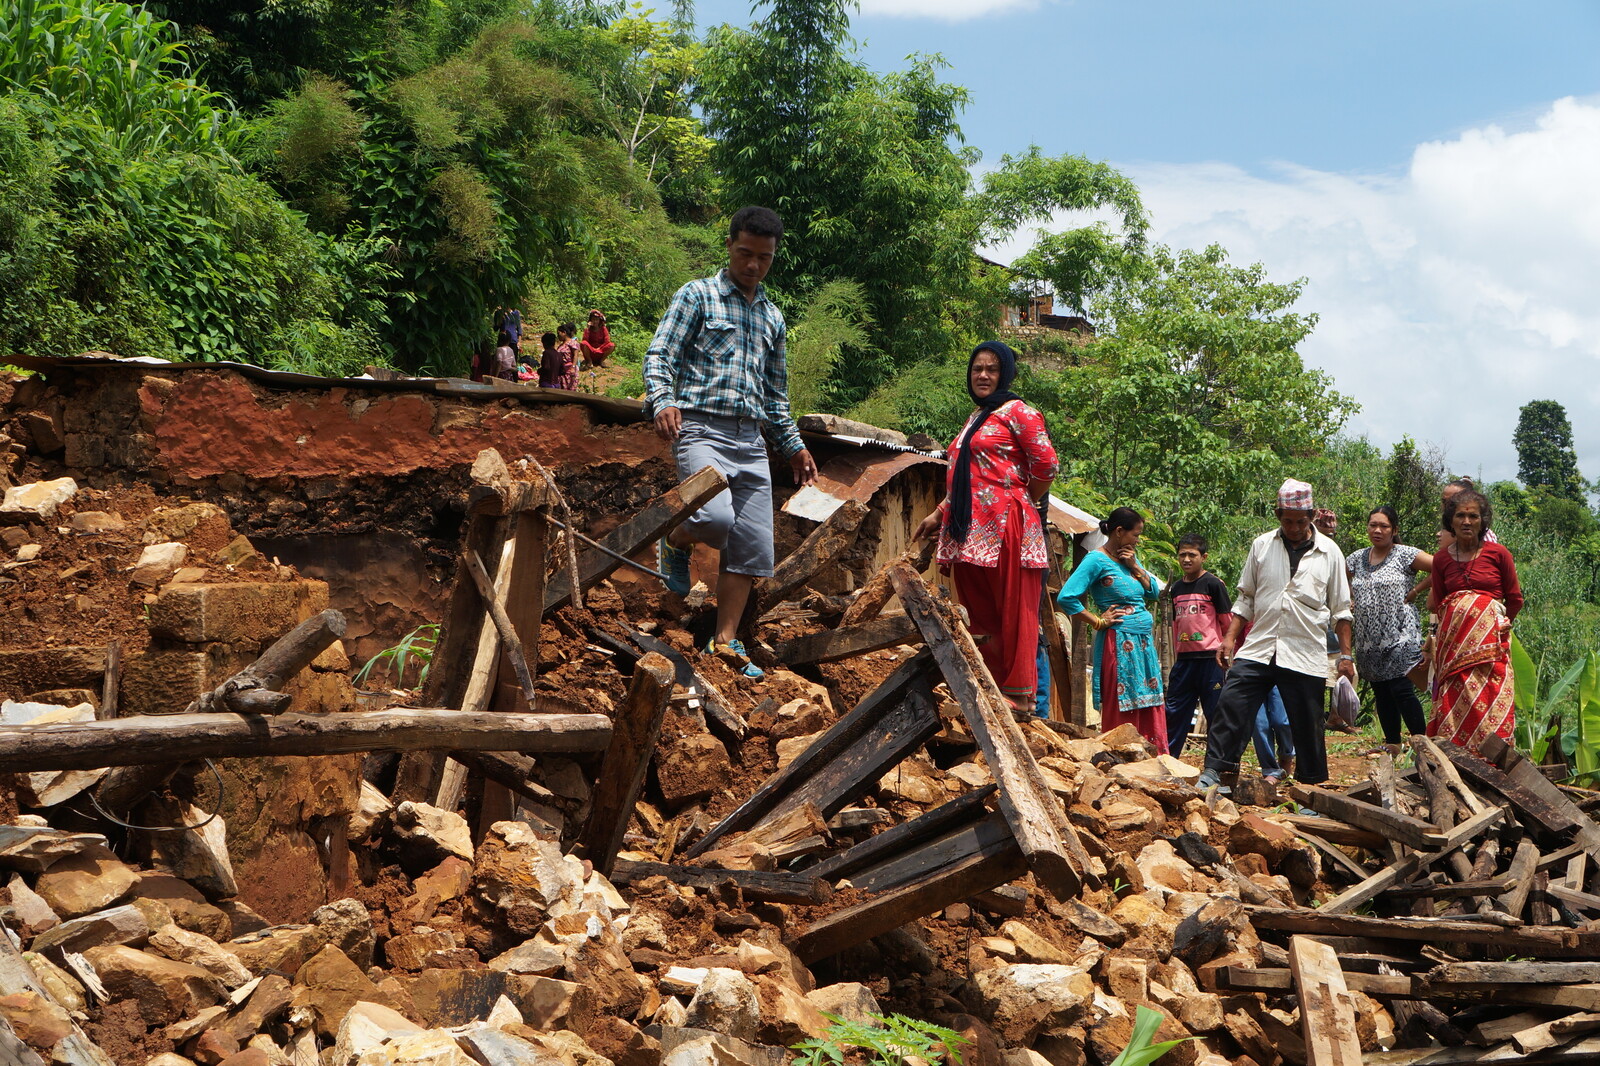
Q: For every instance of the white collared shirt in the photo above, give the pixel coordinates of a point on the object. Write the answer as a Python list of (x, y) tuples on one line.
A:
[(1290, 616)]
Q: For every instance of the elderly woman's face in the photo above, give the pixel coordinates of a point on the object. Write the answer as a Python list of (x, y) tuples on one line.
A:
[(985, 374), (1468, 521)]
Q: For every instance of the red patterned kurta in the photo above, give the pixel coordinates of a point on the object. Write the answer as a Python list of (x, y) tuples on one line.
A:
[(1012, 448)]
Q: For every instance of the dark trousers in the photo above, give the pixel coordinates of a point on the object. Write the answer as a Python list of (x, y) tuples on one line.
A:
[(1191, 681), (1397, 699), (1242, 694)]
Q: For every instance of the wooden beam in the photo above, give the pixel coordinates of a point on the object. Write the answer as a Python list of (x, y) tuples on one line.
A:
[(644, 528), (1539, 941), (756, 885), (1392, 825), (1552, 1033), (970, 877), (1264, 979), (831, 645), (845, 762), (170, 738), (635, 730), (1585, 1050), (513, 771), (452, 776), (1038, 822), (1327, 1011), (984, 833), (832, 537), (879, 588), (1536, 808), (1335, 832), (1405, 869), (1516, 973), (720, 715), (906, 836)]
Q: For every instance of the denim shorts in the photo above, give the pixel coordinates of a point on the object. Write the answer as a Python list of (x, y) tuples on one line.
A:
[(737, 521)]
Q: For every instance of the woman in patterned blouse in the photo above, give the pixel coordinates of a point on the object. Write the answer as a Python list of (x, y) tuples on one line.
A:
[(991, 537), (1386, 638)]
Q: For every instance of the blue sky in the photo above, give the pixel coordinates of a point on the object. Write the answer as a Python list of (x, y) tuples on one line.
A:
[(1432, 169)]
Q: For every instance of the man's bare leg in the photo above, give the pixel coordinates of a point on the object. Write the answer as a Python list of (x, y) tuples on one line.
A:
[(733, 592)]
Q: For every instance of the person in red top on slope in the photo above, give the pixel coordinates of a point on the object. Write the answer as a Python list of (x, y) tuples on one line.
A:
[(597, 343)]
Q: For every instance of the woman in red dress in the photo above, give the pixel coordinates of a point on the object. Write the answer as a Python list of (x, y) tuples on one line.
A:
[(991, 537), (597, 342), (1476, 594)]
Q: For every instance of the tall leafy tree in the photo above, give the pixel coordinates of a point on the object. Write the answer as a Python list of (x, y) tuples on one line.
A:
[(1545, 455), (1412, 479)]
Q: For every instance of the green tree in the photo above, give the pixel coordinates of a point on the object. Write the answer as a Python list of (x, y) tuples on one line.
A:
[(1545, 456), (1412, 480), (1193, 399)]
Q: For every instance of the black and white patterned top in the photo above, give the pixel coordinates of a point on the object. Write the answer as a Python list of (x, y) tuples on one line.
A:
[(1386, 639)]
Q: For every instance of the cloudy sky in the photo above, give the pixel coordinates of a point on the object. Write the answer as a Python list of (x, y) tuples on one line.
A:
[(1432, 169)]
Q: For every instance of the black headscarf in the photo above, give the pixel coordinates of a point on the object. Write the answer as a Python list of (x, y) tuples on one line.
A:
[(960, 516)]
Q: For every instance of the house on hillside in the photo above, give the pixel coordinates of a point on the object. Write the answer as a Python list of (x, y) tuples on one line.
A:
[(1033, 315)]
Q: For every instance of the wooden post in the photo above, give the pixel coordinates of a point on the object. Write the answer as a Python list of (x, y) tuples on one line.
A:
[(287, 656), (633, 742), (1040, 826), (1327, 1011), (502, 623), (831, 645), (821, 547)]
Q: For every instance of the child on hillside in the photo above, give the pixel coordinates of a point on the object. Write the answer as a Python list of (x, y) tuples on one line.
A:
[(551, 371), (1201, 613)]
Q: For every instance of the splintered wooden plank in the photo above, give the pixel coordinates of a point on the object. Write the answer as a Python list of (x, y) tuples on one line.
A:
[(1403, 870), (1277, 979), (1327, 1010), (1539, 941), (969, 876), (1392, 825), (1336, 832), (1552, 1033), (1528, 776), (1536, 807), (633, 535), (986, 834), (720, 715), (767, 886), (1517, 973), (636, 728), (1584, 1050), (1037, 820), (831, 645), (844, 763), (906, 836), (820, 548), (169, 738)]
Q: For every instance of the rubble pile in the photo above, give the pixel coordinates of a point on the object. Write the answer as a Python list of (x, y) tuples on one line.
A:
[(682, 866)]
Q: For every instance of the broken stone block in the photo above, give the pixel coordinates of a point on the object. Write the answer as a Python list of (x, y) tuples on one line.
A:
[(280, 947), (697, 1047), (726, 1002), (1111, 1033), (241, 613), (432, 1047), (365, 1026), (165, 990), (787, 1016), (526, 878), (622, 1043), (157, 563), (89, 523), (406, 952), (24, 503), (490, 1046), (456, 997), (175, 523), (89, 881), (63, 987), (33, 913), (1024, 1000), (1032, 946), (850, 1000), (915, 780), (187, 906), (347, 925), (197, 949), (547, 1003), (37, 1022), (427, 835), (1210, 931), (250, 1056), (268, 1004), (332, 985), (213, 1047), (1162, 866), (116, 925), (371, 808), (199, 855), (691, 767)]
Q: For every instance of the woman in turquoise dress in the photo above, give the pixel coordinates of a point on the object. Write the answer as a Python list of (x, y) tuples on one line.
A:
[(1128, 682)]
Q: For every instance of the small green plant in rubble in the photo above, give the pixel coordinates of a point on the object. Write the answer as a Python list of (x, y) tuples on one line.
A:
[(888, 1041), (416, 647)]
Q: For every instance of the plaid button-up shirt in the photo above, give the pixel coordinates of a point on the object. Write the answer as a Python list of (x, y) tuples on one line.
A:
[(721, 354)]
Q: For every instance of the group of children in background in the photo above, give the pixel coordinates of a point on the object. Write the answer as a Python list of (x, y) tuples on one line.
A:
[(562, 353)]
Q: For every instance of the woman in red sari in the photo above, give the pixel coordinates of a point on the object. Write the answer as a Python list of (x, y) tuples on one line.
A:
[(1476, 595), (991, 538)]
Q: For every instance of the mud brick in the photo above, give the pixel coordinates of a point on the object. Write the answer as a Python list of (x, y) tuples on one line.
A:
[(24, 670), (166, 682), (85, 451), (258, 612)]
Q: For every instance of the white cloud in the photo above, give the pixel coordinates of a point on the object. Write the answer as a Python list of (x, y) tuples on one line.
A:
[(945, 10), (1450, 293)]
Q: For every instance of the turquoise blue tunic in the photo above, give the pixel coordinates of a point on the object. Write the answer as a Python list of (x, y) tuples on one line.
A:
[(1107, 583)]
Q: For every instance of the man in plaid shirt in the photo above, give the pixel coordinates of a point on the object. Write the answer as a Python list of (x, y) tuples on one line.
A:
[(716, 382)]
